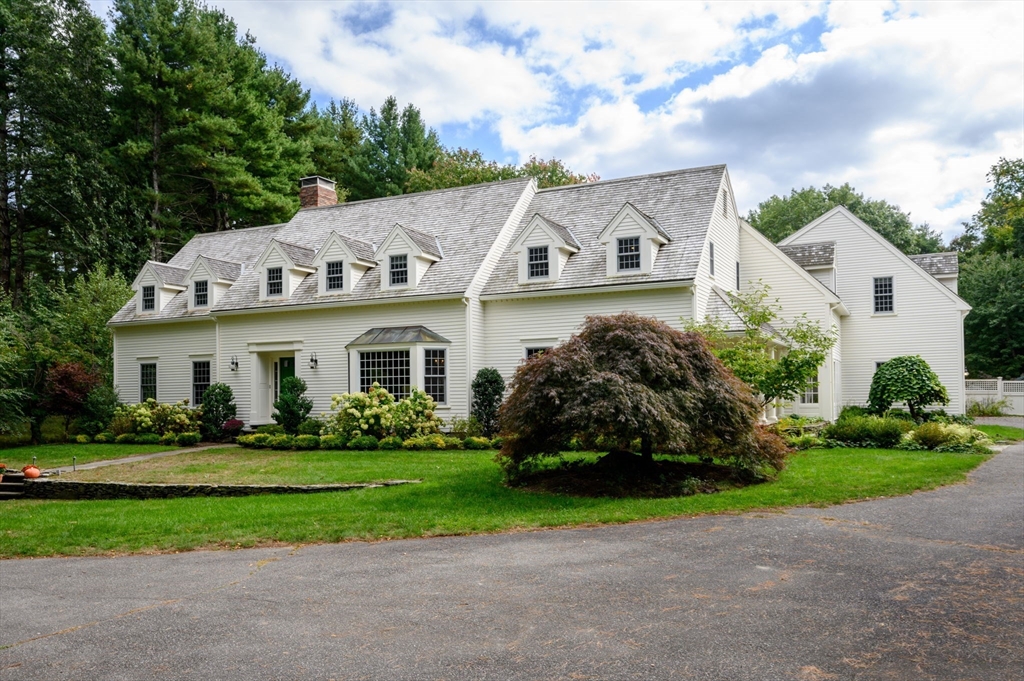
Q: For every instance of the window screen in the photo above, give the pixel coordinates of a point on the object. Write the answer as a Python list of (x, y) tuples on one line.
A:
[(399, 270), (275, 281), (148, 298), (883, 294), (629, 253), (435, 375), (389, 368), (202, 295), (335, 276), (537, 262), (200, 381), (147, 382)]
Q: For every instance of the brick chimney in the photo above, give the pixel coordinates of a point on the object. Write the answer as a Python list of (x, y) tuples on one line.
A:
[(316, 191)]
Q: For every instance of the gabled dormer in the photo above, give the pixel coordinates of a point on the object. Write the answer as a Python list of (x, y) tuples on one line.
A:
[(282, 267), (543, 249), (208, 279), (632, 240), (340, 264), (156, 285), (405, 256)]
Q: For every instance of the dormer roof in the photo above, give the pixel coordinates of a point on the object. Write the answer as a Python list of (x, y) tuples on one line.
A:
[(427, 244), (168, 274), (224, 270), (300, 256), (361, 251), (562, 231), (558, 232)]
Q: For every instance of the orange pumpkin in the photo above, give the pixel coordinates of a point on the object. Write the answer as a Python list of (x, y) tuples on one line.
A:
[(30, 471)]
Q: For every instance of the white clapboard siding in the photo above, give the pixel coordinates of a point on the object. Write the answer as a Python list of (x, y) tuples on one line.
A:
[(172, 347), (514, 324), (326, 332), (926, 321), (723, 231)]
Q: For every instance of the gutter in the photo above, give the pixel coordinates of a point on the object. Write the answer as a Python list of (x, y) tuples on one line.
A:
[(585, 290)]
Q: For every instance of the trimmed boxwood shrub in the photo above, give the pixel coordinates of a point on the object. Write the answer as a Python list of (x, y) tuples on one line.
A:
[(393, 442), (270, 429), (125, 439), (868, 431), (188, 439), (363, 443), (262, 440), (83, 439), (104, 438), (169, 439), (476, 443), (307, 442), (147, 439), (281, 442), (332, 442), (310, 427), (245, 441)]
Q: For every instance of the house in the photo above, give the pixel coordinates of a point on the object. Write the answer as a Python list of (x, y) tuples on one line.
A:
[(426, 289)]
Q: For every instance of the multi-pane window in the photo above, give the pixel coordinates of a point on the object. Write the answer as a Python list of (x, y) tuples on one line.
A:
[(335, 276), (810, 393), (530, 352), (711, 252), (537, 262), (399, 270), (275, 281), (435, 376), (202, 295), (389, 368), (148, 298), (883, 294), (147, 382), (737, 276), (629, 253), (200, 381)]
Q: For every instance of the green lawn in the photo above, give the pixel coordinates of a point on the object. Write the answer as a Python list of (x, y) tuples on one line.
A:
[(461, 493), (52, 456), (1002, 432)]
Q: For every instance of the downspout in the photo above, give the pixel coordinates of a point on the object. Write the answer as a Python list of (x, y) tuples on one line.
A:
[(469, 353)]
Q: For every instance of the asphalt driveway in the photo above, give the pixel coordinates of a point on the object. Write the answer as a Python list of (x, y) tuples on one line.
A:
[(929, 586)]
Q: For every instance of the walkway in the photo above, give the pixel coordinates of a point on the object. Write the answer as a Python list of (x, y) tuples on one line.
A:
[(136, 458)]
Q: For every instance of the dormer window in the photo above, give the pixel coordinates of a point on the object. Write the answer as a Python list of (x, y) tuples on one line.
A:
[(275, 281), (537, 261), (629, 253), (399, 270), (148, 298), (336, 276), (201, 293)]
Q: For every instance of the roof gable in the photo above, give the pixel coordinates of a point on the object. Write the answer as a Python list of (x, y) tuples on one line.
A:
[(562, 236), (424, 245), (167, 276), (354, 250), (652, 229), (221, 270), (961, 304), (830, 296), (297, 257)]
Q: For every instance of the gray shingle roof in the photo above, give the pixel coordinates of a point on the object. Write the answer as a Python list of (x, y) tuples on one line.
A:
[(398, 334), (360, 249), (818, 254), (168, 274), (300, 255), (229, 271), (425, 242), (563, 232), (653, 223), (465, 220), (938, 264), (682, 202)]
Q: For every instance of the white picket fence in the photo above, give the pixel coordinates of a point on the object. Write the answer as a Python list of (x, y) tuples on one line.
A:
[(995, 389)]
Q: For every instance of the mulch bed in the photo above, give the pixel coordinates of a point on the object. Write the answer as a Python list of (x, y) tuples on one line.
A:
[(622, 474)]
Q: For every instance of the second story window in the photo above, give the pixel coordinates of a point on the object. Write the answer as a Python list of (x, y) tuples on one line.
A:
[(629, 253), (737, 276), (537, 262), (148, 298), (275, 281), (202, 295), (399, 270), (335, 276), (883, 295), (711, 250)]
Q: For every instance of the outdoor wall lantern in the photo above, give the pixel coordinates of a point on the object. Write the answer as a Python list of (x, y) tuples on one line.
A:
[(312, 360), (233, 364)]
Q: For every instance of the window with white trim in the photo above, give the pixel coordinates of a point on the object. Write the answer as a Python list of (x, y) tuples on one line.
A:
[(810, 393), (629, 253), (147, 382), (335, 276), (200, 381), (435, 374), (275, 281), (711, 251), (201, 293), (148, 298), (399, 270), (389, 368), (537, 262), (737, 276), (530, 352), (883, 295)]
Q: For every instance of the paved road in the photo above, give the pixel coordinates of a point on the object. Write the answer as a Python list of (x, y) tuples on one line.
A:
[(921, 587)]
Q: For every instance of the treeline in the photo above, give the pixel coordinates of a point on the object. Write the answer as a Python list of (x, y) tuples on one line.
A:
[(120, 145), (991, 255)]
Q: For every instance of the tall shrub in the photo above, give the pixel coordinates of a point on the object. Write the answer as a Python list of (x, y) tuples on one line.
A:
[(292, 405), (98, 410), (906, 379), (488, 389), (218, 408), (68, 384)]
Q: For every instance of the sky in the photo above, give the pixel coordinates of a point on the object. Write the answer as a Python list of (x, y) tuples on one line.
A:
[(908, 102)]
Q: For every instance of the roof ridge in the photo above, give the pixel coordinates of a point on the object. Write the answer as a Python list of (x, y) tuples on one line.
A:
[(238, 229), (629, 178), (423, 193), (292, 243), (164, 264)]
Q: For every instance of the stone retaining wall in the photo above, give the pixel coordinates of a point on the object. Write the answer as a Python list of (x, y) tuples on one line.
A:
[(50, 488)]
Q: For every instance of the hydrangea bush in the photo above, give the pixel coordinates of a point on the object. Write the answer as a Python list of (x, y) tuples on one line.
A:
[(377, 413), (160, 418)]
